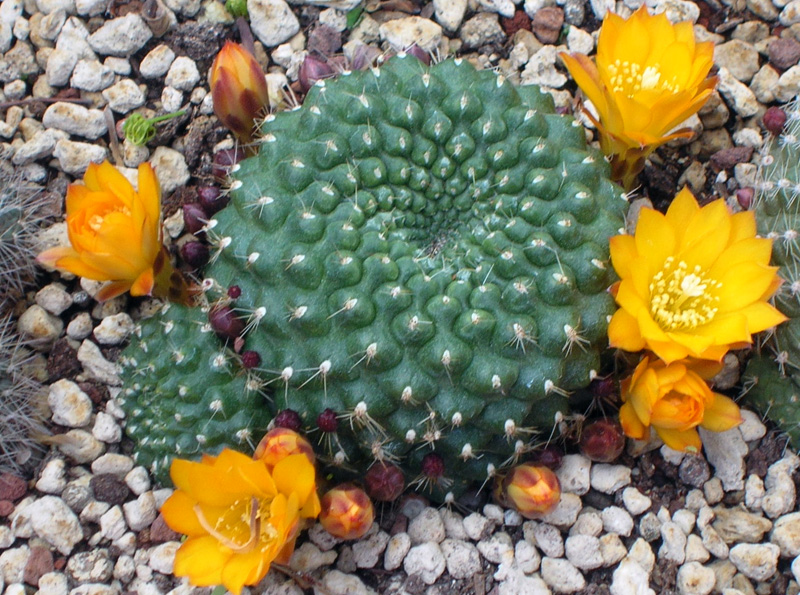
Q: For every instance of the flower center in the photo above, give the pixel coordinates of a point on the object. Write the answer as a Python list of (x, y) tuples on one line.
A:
[(628, 78), (682, 299), (241, 527)]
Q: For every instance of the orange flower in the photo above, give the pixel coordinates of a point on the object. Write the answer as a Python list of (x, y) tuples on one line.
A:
[(650, 77), (279, 443), (239, 90), (115, 235), (694, 282), (239, 517), (531, 490), (674, 399), (347, 512)]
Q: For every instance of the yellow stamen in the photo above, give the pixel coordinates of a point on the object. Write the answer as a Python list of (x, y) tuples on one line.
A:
[(680, 299)]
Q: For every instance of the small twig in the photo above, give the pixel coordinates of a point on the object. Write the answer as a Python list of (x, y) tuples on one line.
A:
[(116, 150), (5, 104)]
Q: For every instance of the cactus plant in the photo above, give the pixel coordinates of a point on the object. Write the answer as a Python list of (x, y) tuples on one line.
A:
[(20, 214), (420, 263), (772, 378)]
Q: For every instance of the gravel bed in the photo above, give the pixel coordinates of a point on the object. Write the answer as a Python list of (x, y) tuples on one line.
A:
[(82, 519)]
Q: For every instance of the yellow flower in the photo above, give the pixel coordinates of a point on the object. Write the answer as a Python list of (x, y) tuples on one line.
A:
[(674, 399), (115, 235), (650, 76), (694, 282), (239, 90), (239, 517)]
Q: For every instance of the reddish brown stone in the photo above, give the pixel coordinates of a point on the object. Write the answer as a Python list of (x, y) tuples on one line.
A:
[(40, 562), (6, 508), (727, 158), (160, 532), (547, 23), (12, 487), (519, 21), (784, 53)]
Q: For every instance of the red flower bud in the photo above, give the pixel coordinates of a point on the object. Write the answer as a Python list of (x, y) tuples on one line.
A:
[(774, 120), (311, 70), (384, 482), (347, 512), (602, 440)]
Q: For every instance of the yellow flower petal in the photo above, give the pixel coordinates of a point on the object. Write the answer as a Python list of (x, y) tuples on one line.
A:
[(295, 474), (684, 441), (623, 332), (631, 424), (201, 559), (179, 516), (722, 415)]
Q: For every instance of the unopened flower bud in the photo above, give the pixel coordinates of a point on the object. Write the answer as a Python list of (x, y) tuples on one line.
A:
[(549, 456), (774, 119), (744, 196), (288, 418), (194, 217), (311, 70), (211, 199), (279, 443), (225, 322), (531, 490), (385, 482), (224, 160), (602, 441), (239, 90), (328, 421), (347, 512), (195, 254)]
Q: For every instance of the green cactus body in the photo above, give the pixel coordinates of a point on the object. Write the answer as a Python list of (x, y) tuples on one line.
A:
[(423, 251), (772, 378)]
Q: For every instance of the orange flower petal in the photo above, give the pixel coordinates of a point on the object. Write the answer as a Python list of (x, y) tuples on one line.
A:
[(202, 560), (623, 332), (684, 441), (722, 415), (180, 517), (631, 424)]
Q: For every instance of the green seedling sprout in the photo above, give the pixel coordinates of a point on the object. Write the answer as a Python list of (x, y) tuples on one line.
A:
[(140, 131)]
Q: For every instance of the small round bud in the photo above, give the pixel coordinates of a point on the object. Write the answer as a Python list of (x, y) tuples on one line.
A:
[(744, 196), (194, 217), (602, 441), (384, 482), (347, 512), (195, 254), (279, 443), (225, 322), (234, 291), (250, 359), (432, 466), (531, 490), (774, 119), (311, 70), (288, 418), (224, 160), (211, 199), (549, 456), (328, 421)]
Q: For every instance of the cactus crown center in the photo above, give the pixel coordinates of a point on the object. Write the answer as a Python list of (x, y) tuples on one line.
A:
[(682, 299)]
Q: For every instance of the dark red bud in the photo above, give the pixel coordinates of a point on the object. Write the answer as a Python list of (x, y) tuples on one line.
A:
[(602, 441), (234, 291), (774, 120), (328, 421), (311, 70), (225, 322), (195, 254), (289, 419), (419, 54), (364, 56), (211, 199), (194, 217), (432, 466), (549, 456), (250, 359), (224, 160), (384, 483), (745, 197), (603, 388)]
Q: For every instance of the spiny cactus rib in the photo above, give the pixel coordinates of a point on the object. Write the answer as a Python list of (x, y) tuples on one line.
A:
[(423, 250), (772, 378)]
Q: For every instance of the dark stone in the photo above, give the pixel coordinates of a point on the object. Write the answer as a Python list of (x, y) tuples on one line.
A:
[(694, 471), (62, 361), (109, 488), (12, 487), (784, 53), (39, 563), (96, 392), (160, 532), (547, 23), (400, 525), (727, 158), (324, 40)]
